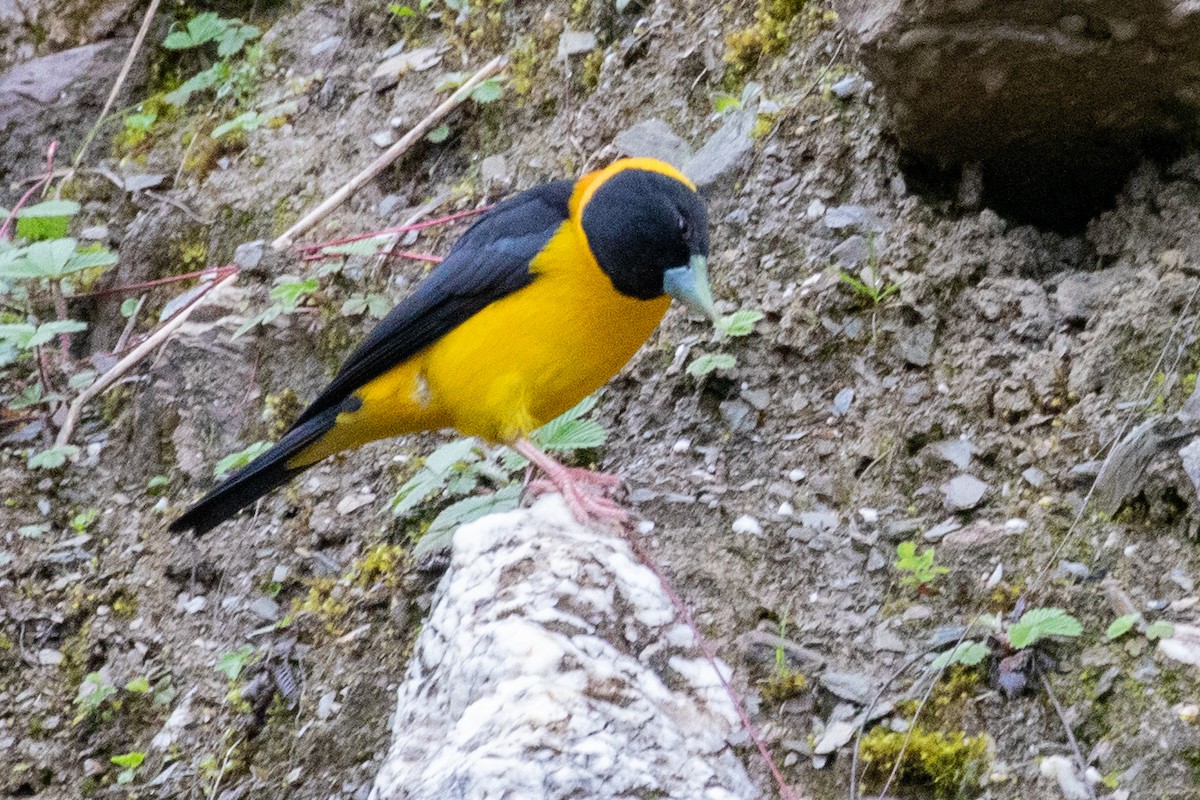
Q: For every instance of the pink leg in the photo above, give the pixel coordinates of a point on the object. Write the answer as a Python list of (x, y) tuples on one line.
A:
[(583, 490)]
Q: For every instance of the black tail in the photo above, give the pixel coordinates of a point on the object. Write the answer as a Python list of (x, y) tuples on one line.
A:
[(256, 478)]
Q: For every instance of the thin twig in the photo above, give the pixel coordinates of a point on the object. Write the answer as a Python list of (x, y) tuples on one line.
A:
[(391, 154), (412, 224), (112, 95), (785, 791), (1070, 735), (220, 272), (135, 355)]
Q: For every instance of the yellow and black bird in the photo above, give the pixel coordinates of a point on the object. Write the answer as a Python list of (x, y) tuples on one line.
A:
[(539, 303)]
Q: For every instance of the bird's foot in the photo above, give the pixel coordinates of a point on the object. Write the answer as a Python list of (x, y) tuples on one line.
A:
[(585, 491)]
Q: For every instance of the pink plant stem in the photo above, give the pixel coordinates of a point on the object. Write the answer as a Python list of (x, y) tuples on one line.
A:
[(217, 274), (785, 791), (416, 226), (49, 176)]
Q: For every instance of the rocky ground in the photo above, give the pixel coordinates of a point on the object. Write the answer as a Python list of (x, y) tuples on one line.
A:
[(967, 409)]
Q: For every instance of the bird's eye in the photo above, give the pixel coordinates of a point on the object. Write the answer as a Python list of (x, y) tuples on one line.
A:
[(683, 225)]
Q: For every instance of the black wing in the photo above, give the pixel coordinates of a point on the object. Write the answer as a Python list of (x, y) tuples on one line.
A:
[(489, 262)]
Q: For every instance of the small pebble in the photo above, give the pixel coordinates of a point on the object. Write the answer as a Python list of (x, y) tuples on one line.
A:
[(50, 658), (797, 475), (681, 446), (785, 509), (869, 515), (747, 524), (195, 604)]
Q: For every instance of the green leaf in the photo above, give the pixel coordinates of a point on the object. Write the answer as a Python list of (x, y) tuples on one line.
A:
[(906, 550), (437, 538), (739, 323), (290, 291), (138, 685), (48, 330), (53, 458), (434, 474), (1038, 623), (128, 306), (49, 258), (90, 259), (709, 362), (201, 29), (401, 11), (1121, 625), (131, 760), (199, 82), (18, 334), (232, 663), (725, 102), (488, 91), (247, 121), (569, 431), (439, 134), (968, 653), (239, 459), (49, 209), (235, 38), (1160, 630)]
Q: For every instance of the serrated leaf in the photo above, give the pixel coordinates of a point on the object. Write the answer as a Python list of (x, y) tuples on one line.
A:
[(197, 83), (1038, 623), (969, 653), (739, 323), (569, 431), (438, 537), (709, 362), (906, 550), (1120, 626), (1160, 630)]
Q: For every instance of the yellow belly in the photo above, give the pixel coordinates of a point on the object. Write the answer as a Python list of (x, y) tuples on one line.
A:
[(513, 366), (525, 359)]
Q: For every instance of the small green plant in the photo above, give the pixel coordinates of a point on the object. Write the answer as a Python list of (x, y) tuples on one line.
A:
[(917, 571), (488, 91), (731, 326), (1160, 629), (235, 461), (93, 694), (84, 519), (458, 469), (157, 485), (287, 295), (1039, 623), (227, 75), (784, 682), (231, 663), (869, 285), (130, 763)]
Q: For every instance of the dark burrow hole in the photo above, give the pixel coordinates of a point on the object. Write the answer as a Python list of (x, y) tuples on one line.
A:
[(1054, 186)]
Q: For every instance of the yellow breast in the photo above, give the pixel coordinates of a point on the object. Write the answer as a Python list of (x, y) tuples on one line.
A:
[(527, 358)]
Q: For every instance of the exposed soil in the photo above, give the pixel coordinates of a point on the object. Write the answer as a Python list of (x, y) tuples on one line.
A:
[(1036, 347)]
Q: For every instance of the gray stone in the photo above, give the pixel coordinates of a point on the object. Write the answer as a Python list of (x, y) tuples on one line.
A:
[(739, 416), (390, 70), (957, 451), (853, 251), (1079, 294), (55, 97), (725, 153), (1034, 477), (493, 171), (842, 401), (847, 87), (391, 204), (326, 45), (857, 687), (939, 531), (916, 343), (848, 217), (963, 493), (653, 138), (266, 608), (575, 43), (249, 255)]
